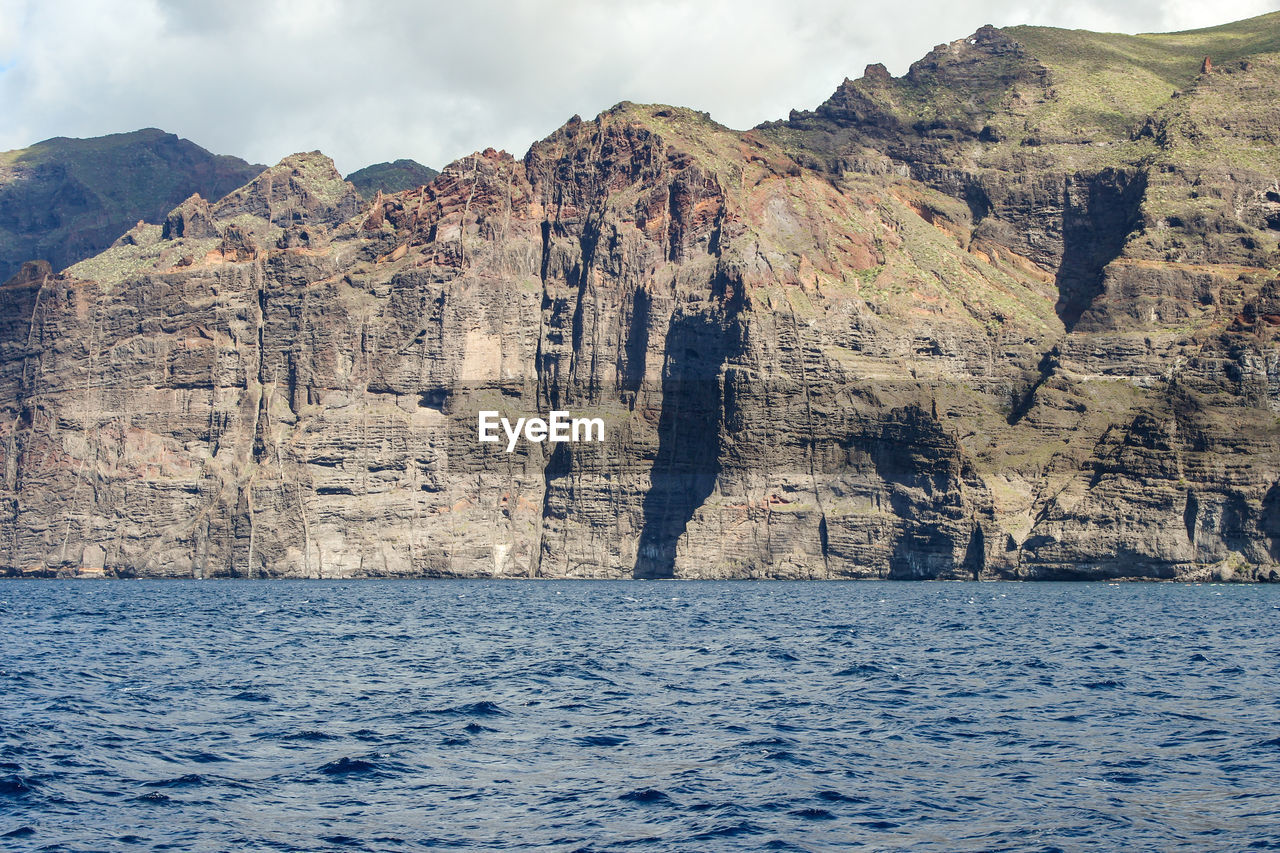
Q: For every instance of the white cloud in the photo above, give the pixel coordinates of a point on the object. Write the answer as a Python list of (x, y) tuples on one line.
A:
[(433, 81), (11, 12)]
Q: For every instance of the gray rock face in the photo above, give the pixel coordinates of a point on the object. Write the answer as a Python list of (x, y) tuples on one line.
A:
[(805, 370)]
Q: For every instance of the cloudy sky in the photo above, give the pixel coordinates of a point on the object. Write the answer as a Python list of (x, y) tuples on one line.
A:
[(371, 81)]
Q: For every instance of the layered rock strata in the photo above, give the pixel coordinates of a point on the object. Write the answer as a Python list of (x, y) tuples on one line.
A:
[(843, 346)]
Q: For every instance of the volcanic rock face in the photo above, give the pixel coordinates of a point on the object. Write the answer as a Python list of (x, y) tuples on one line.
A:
[(891, 338)]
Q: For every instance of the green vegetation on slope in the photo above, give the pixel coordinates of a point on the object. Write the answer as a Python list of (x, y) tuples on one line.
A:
[(1109, 81), (1022, 89)]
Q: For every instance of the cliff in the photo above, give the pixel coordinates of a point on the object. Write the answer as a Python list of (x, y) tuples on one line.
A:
[(969, 323)]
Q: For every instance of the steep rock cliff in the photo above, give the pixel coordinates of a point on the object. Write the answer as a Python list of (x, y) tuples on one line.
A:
[(850, 345)]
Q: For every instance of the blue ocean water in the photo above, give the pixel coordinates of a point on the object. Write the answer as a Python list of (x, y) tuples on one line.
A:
[(474, 715)]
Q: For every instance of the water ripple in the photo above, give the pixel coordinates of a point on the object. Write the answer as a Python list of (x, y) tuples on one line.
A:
[(414, 716)]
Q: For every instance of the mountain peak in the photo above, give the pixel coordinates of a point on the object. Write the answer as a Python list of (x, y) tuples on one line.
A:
[(303, 187), (391, 177)]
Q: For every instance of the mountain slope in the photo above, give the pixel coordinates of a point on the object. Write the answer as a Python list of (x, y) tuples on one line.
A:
[(63, 200), (1068, 145)]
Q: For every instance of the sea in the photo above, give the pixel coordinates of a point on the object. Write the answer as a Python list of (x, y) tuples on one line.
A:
[(638, 716)]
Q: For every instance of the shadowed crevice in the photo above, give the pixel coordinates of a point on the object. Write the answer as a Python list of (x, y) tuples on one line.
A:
[(688, 459), (1096, 222)]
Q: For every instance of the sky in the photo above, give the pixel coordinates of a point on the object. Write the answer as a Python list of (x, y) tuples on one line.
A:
[(366, 82)]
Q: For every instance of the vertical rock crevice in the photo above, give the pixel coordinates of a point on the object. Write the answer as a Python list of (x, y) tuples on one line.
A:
[(687, 463), (1099, 212)]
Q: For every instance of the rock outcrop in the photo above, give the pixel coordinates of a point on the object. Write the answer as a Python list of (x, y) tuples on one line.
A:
[(189, 219), (918, 333)]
